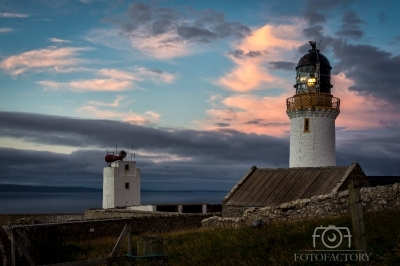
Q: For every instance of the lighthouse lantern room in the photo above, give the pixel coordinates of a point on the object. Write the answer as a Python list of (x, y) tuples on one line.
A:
[(312, 112)]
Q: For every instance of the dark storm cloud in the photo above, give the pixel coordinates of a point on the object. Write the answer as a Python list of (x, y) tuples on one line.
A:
[(198, 34), (314, 17), (156, 70), (139, 13), (351, 25), (196, 26), (162, 26), (374, 71), (236, 53), (283, 65), (169, 159), (314, 32), (223, 155), (80, 168), (240, 53), (253, 53), (254, 122), (377, 153), (222, 124), (210, 26)]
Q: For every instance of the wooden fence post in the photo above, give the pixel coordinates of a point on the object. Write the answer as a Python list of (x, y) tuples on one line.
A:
[(150, 245), (130, 240), (357, 217), (13, 247)]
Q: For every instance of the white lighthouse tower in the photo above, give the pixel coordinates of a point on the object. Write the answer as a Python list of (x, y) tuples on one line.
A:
[(121, 182), (312, 112)]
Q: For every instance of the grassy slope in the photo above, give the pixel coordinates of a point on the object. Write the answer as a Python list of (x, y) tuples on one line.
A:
[(274, 244)]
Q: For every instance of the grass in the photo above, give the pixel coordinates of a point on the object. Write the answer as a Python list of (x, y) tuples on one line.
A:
[(273, 244)]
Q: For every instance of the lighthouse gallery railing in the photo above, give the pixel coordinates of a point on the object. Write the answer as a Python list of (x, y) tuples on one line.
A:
[(311, 100)]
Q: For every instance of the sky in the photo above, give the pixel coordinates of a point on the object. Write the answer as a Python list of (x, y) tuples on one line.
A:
[(196, 89)]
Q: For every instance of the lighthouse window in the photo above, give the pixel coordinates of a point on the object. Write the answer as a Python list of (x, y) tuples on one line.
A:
[(126, 167), (306, 124), (126, 185)]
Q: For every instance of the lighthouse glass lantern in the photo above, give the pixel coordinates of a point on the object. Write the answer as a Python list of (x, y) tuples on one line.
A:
[(312, 112)]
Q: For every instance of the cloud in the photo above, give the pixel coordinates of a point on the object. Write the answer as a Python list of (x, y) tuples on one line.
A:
[(87, 85), (240, 53), (116, 74), (5, 30), (129, 117), (166, 33), (218, 157), (313, 32), (109, 37), (91, 108), (250, 114), (314, 17), (56, 40), (359, 111), (373, 71), (276, 43), (13, 15), (115, 103), (44, 59), (110, 80), (203, 155), (283, 65), (155, 74), (351, 25)]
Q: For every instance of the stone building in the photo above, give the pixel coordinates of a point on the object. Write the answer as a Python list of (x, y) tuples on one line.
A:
[(266, 187)]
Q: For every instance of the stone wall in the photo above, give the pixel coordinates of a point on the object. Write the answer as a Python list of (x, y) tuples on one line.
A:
[(374, 199), (233, 211)]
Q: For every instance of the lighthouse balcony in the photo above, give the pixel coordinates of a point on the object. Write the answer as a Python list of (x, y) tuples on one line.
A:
[(312, 100)]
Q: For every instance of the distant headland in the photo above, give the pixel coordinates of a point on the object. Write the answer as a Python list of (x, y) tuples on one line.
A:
[(27, 188)]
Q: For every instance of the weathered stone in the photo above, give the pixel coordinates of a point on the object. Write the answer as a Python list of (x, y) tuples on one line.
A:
[(366, 200), (383, 202), (321, 206)]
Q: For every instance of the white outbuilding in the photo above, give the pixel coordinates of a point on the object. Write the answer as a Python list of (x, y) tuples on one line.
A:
[(121, 184)]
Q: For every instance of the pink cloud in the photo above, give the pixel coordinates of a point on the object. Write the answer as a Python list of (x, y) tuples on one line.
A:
[(267, 115), (358, 112), (266, 44), (111, 80), (43, 59), (116, 74), (115, 103), (250, 114), (129, 117), (87, 85)]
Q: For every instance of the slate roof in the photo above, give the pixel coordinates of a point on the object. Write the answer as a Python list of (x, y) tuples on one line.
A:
[(261, 187)]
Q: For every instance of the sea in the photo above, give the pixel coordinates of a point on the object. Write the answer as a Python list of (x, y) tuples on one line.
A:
[(78, 202)]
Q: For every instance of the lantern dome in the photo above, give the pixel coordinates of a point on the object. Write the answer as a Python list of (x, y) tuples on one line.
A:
[(313, 72)]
